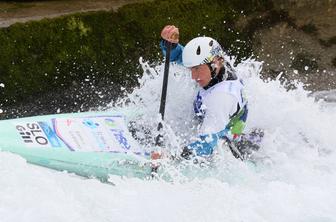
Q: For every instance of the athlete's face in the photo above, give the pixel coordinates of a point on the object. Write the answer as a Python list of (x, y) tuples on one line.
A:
[(201, 74)]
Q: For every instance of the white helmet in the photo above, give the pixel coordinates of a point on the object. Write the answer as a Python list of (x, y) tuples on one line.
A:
[(201, 50)]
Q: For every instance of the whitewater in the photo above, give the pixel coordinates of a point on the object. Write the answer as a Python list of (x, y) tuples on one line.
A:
[(295, 183)]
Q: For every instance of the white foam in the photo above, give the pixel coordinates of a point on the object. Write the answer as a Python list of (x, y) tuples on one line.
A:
[(298, 184)]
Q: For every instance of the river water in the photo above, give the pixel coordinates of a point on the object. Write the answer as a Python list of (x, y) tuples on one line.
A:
[(296, 183)]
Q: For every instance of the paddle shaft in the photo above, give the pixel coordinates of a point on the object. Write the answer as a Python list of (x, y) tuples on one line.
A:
[(158, 139)]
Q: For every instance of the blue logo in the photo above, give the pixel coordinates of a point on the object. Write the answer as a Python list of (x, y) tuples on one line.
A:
[(89, 123), (50, 134), (118, 134), (199, 111)]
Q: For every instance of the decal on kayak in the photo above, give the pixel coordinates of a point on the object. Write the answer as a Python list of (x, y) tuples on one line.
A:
[(93, 133)]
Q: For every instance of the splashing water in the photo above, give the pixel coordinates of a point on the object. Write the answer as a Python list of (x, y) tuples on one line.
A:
[(297, 184)]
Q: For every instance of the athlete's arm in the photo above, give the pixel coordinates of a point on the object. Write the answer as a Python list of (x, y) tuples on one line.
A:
[(175, 53), (170, 33)]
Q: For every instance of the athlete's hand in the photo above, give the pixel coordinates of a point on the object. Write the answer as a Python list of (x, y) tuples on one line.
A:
[(170, 33), (155, 155)]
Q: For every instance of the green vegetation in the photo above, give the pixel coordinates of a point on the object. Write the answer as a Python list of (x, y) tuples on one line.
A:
[(55, 54)]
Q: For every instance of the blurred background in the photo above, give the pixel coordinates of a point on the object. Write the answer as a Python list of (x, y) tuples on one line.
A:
[(70, 56)]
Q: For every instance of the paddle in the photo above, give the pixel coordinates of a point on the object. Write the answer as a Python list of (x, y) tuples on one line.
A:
[(158, 140)]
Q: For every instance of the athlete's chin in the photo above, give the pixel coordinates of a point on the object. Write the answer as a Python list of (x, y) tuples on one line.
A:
[(202, 83)]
